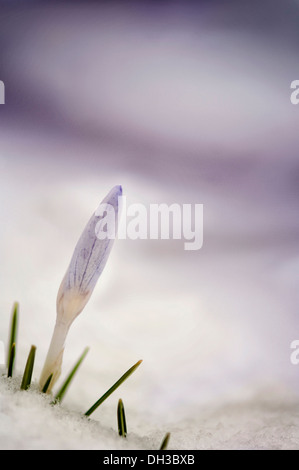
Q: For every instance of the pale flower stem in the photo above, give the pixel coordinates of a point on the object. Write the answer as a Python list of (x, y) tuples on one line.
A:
[(54, 357)]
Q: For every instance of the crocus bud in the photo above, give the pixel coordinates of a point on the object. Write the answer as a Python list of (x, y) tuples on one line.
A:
[(87, 263)]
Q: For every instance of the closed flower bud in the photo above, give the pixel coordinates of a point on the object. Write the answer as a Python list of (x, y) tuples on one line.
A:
[(87, 263)]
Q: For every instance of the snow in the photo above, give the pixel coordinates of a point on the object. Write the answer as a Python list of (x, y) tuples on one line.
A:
[(213, 327), (48, 426), (216, 369), (30, 421)]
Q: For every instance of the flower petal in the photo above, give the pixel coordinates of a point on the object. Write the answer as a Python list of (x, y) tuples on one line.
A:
[(89, 259), (87, 263)]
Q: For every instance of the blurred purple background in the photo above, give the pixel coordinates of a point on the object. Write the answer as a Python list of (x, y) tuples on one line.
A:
[(178, 103)]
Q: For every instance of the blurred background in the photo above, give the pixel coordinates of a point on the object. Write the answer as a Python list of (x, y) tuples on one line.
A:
[(177, 102)]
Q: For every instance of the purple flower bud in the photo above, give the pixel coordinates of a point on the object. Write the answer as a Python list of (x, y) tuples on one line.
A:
[(88, 261)]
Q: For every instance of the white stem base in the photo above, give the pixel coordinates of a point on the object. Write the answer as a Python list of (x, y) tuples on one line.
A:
[(54, 357)]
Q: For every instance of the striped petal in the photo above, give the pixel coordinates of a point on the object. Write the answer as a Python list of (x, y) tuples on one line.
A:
[(88, 261)]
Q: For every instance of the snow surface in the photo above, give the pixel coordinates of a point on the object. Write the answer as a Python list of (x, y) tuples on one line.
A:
[(30, 421), (216, 369)]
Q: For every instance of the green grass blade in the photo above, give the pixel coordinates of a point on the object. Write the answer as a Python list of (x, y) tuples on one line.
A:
[(69, 378), (165, 441), (46, 386), (26, 381), (121, 419), (11, 360), (12, 334), (111, 390)]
